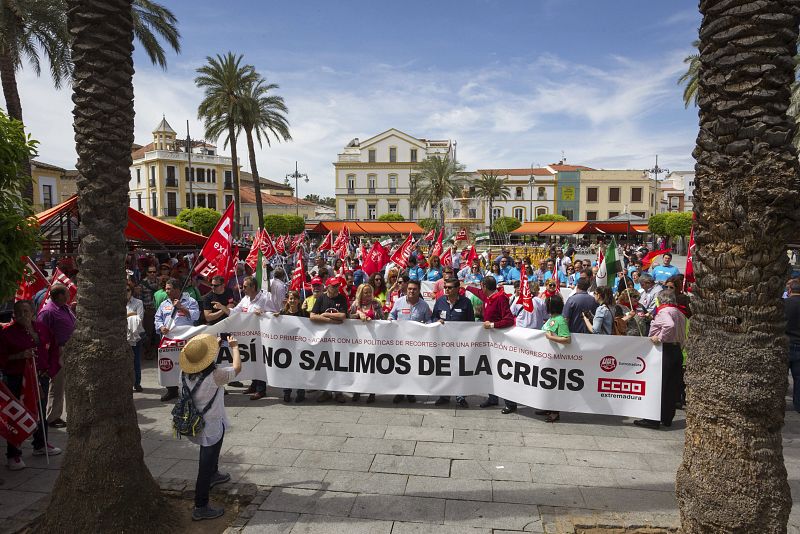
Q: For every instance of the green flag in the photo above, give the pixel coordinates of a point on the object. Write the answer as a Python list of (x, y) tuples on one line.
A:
[(610, 266)]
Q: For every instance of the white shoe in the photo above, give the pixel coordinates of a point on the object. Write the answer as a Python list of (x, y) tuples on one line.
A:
[(51, 451), (15, 464)]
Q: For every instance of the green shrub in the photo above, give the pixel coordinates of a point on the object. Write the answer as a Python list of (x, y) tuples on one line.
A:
[(199, 220), (391, 217), (284, 224), (506, 225), (550, 217)]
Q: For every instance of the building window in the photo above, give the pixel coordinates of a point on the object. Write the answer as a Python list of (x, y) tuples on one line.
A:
[(541, 211), (228, 176), (172, 204), (413, 157), (171, 173), (201, 175), (188, 200), (201, 201), (636, 194), (591, 215), (47, 196), (612, 214), (228, 200), (351, 183), (613, 194), (641, 214), (246, 221), (371, 155), (154, 204), (497, 213), (212, 201), (212, 176), (372, 213), (473, 213), (138, 176), (519, 214), (568, 214), (456, 213), (371, 181), (518, 194), (139, 201), (351, 211), (392, 155), (152, 173), (652, 199), (591, 194), (392, 208), (691, 183), (541, 194), (392, 184)]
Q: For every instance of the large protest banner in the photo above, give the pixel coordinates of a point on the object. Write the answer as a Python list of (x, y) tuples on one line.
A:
[(614, 375)]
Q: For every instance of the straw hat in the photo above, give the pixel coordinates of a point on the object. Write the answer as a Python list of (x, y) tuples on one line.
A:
[(198, 353)]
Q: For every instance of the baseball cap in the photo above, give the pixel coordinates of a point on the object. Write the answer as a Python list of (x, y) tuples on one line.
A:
[(316, 281), (333, 281)]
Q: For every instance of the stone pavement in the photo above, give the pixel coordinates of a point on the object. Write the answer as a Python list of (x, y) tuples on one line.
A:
[(415, 468)]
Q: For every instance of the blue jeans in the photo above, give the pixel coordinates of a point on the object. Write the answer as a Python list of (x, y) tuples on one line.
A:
[(209, 465), (794, 366), (137, 363)]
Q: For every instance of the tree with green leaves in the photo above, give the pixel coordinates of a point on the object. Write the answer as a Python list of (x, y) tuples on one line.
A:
[(506, 225), (263, 114), (37, 29), (657, 224), (199, 220), (391, 217), (104, 484), (489, 187), (284, 224), (428, 223), (438, 179), (224, 80), (550, 217), (19, 232), (678, 224)]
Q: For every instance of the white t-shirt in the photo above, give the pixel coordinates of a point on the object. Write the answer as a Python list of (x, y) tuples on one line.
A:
[(216, 420)]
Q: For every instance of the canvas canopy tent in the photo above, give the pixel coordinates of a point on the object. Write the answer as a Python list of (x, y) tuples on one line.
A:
[(368, 228), (60, 223)]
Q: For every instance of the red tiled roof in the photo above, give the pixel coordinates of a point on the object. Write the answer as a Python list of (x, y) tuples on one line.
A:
[(563, 167), (519, 172), (139, 152), (247, 195)]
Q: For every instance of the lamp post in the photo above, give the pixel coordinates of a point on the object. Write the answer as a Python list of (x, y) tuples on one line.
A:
[(189, 156), (531, 183), (296, 175), (657, 170)]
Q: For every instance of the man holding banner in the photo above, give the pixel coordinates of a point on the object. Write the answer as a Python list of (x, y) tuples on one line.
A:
[(452, 306)]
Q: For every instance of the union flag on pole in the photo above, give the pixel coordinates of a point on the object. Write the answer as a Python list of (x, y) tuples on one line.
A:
[(401, 255), (430, 235), (298, 275), (33, 281), (472, 254), (446, 259), (374, 260), (342, 240), (462, 235), (61, 278), (327, 243), (252, 257), (279, 245), (438, 247), (526, 298), (216, 253)]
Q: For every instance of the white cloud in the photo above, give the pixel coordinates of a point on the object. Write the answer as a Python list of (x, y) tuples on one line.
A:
[(502, 114)]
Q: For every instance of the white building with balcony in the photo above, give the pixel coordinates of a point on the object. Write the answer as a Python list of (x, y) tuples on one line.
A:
[(376, 176), (532, 193)]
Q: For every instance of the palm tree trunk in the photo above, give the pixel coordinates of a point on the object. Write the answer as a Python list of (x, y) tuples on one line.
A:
[(733, 477), (8, 78), (104, 485), (491, 218), (256, 182), (237, 228)]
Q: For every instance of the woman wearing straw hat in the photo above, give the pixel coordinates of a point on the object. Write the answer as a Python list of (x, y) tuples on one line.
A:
[(197, 365)]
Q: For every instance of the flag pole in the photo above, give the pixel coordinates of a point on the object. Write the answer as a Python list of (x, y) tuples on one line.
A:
[(42, 420)]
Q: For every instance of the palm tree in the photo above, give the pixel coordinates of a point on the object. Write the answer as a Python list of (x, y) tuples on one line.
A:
[(31, 28), (262, 113), (104, 462), (437, 180), (225, 80), (733, 477), (690, 77), (489, 187)]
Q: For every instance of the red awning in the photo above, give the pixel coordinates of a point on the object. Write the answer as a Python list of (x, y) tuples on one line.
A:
[(532, 228), (368, 227), (610, 227), (566, 228), (141, 228)]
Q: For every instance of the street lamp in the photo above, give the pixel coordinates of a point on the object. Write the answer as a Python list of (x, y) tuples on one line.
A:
[(657, 170), (296, 175), (531, 183)]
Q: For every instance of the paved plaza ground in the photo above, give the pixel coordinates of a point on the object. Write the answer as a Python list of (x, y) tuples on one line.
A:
[(417, 468)]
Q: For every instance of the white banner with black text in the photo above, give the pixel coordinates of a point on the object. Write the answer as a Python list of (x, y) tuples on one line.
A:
[(615, 375)]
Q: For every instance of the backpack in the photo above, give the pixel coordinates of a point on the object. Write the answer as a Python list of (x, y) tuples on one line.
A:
[(186, 419)]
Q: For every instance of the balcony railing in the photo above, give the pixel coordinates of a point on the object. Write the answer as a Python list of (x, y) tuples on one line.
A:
[(351, 190), (172, 182), (228, 184), (392, 190), (371, 191)]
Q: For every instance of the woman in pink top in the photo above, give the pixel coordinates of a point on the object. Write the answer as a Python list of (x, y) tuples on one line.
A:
[(668, 329)]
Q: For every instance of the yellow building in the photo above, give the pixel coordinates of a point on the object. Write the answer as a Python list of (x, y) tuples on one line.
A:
[(605, 194), (52, 185)]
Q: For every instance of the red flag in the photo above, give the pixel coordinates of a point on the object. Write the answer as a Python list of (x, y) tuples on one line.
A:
[(342, 240), (252, 257), (30, 389), (430, 235), (472, 254), (267, 245), (216, 252), (447, 258), (688, 278), (232, 261), (462, 235), (61, 278), (401, 255), (296, 242), (648, 260), (298, 275), (374, 260), (526, 298), (327, 243), (279, 245), (33, 281), (438, 247), (16, 422)]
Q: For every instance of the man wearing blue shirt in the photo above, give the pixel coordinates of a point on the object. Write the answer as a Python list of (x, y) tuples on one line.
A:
[(514, 273), (452, 306), (410, 307), (415, 272), (663, 272)]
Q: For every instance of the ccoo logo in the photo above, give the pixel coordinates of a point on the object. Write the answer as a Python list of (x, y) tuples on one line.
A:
[(165, 364), (608, 363)]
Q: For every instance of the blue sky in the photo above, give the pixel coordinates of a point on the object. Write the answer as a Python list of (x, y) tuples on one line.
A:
[(514, 82)]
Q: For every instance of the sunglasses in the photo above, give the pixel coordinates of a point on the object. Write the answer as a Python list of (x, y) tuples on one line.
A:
[(451, 287), (216, 285), (551, 285)]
